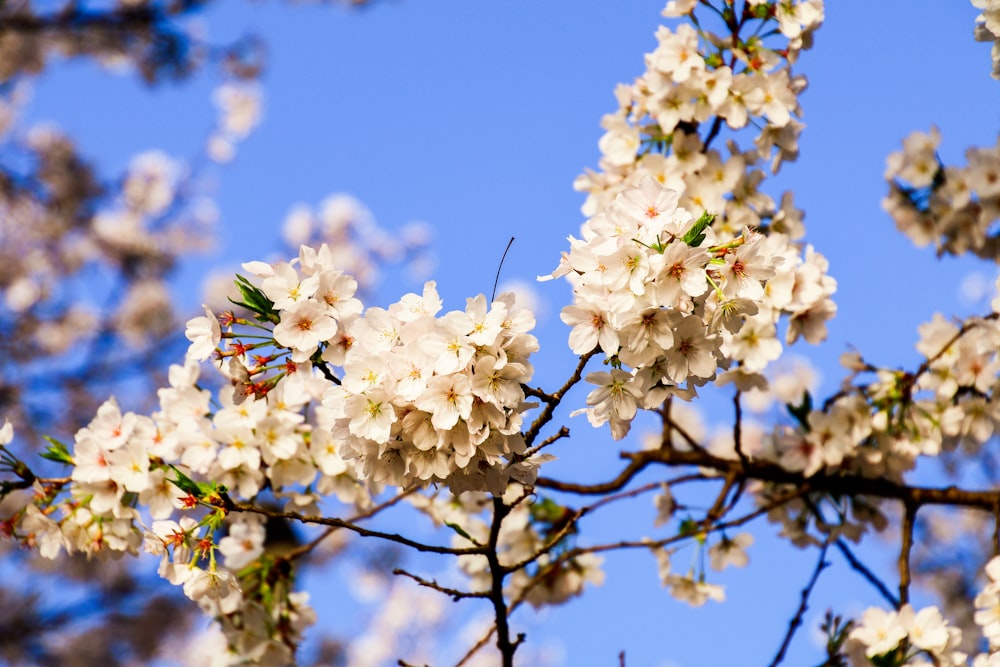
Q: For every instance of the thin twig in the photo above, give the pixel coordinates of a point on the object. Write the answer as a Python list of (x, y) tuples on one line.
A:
[(563, 433), (370, 512), (364, 532), (554, 398), (453, 593), (493, 297), (477, 646), (869, 576), (796, 622)]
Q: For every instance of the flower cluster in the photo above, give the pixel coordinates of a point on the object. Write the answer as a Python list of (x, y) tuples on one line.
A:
[(671, 299), (426, 398), (654, 287), (422, 398), (952, 207), (696, 79), (909, 637)]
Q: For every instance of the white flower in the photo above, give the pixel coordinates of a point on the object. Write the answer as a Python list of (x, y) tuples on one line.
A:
[(879, 632), (303, 327), (205, 335), (730, 552)]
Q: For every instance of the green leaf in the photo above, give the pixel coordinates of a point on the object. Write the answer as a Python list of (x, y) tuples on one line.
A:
[(801, 411), (688, 527), (461, 531), (185, 483), (696, 235), (547, 510), (57, 451)]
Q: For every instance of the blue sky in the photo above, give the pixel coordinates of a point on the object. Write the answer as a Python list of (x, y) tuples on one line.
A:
[(476, 117)]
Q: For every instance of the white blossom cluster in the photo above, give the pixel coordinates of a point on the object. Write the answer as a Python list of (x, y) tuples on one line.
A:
[(421, 398), (696, 79), (240, 110), (988, 29), (879, 428), (952, 207), (124, 462), (924, 638), (671, 301), (670, 311), (426, 398)]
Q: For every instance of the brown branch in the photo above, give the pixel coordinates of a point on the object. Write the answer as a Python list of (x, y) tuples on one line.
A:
[(738, 427), (478, 645), (839, 483), (909, 514), (796, 622), (645, 544), (497, 575), (370, 512), (623, 478), (453, 593), (563, 433), (552, 400), (996, 530), (232, 506)]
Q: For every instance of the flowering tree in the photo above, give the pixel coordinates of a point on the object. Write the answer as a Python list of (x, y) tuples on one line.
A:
[(86, 309), (687, 272)]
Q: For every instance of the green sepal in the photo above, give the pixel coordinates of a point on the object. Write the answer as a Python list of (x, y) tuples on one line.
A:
[(255, 300), (696, 235), (688, 527), (185, 483), (57, 451)]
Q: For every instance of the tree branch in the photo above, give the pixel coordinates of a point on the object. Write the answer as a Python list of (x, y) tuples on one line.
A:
[(364, 532), (863, 570), (453, 593), (552, 400), (909, 514), (796, 622)]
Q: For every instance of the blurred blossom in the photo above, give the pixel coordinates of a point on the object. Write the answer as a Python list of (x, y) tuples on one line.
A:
[(787, 380), (298, 226), (151, 183), (339, 212), (975, 287), (239, 107), (220, 149), (22, 294), (146, 313), (416, 234), (526, 296)]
